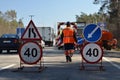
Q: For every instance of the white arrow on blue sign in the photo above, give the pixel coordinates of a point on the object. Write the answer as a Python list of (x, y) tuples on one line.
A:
[(92, 33), (80, 40)]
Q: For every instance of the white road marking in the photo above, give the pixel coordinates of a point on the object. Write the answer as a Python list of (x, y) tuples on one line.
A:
[(115, 65), (90, 34), (6, 67)]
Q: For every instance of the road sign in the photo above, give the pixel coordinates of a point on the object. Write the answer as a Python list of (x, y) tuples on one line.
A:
[(80, 40), (20, 31), (92, 33), (102, 24), (92, 53), (31, 32), (30, 52)]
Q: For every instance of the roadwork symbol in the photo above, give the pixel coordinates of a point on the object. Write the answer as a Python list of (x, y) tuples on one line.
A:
[(31, 32)]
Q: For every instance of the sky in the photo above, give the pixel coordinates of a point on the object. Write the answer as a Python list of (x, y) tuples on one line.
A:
[(48, 12)]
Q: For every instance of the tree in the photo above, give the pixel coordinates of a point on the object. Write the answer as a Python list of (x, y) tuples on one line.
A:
[(90, 18), (112, 7), (10, 15), (8, 22)]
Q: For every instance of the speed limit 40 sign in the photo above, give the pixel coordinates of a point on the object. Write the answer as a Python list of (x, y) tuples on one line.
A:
[(92, 53), (30, 52)]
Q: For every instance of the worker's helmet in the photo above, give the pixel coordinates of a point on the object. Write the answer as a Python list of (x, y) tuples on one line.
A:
[(68, 23)]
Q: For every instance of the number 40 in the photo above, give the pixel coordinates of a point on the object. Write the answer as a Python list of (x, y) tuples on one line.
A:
[(92, 52), (32, 52)]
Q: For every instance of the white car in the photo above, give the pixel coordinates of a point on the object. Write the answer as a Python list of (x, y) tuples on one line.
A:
[(42, 44)]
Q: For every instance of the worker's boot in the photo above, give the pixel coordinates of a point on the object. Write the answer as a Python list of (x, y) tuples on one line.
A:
[(67, 58)]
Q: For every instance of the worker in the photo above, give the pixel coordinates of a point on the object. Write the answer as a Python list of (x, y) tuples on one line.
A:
[(69, 39), (114, 41)]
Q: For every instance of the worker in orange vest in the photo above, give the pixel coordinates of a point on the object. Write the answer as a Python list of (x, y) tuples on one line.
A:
[(69, 39)]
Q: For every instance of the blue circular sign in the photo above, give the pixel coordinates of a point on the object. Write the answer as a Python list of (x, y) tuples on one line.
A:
[(80, 40), (92, 33)]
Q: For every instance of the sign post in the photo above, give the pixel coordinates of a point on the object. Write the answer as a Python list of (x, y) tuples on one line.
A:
[(30, 52), (92, 53)]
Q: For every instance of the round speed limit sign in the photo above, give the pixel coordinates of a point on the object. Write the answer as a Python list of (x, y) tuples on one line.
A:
[(92, 53), (30, 52)]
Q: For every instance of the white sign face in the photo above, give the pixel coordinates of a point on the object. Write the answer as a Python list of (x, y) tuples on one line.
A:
[(30, 52), (92, 53)]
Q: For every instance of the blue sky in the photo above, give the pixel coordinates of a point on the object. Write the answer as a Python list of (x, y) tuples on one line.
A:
[(48, 12)]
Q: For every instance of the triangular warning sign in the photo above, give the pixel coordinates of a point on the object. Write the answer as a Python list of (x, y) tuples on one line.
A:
[(31, 32)]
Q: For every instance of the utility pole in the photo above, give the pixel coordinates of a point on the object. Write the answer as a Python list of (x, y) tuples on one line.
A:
[(20, 22), (31, 16)]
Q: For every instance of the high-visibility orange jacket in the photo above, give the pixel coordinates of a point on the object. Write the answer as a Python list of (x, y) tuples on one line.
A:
[(68, 35)]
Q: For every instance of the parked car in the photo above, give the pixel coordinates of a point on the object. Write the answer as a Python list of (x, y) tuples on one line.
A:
[(42, 44), (9, 43)]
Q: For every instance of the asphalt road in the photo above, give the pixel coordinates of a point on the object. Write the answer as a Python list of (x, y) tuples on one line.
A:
[(55, 67)]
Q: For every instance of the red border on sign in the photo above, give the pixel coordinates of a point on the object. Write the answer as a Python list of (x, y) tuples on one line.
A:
[(36, 60), (28, 39), (89, 61)]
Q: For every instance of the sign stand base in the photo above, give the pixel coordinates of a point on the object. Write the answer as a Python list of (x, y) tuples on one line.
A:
[(92, 67), (92, 55), (30, 68)]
